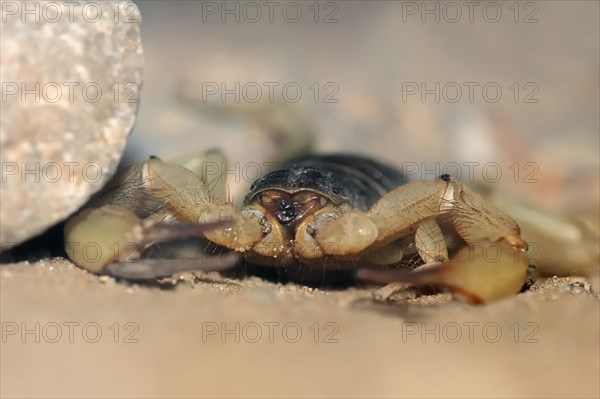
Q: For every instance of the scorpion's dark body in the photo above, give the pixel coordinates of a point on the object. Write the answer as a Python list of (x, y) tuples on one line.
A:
[(345, 179), (301, 186)]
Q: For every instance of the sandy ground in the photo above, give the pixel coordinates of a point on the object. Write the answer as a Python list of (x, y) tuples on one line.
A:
[(67, 333)]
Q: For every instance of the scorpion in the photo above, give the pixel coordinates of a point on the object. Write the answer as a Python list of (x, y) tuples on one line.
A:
[(323, 211)]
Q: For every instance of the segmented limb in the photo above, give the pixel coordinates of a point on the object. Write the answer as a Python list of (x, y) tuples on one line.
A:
[(332, 231), (210, 166), (191, 201), (155, 202), (430, 242), (146, 269), (478, 274), (98, 237), (410, 211), (562, 245)]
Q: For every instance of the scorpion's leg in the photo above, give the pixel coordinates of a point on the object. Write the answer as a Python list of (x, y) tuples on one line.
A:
[(563, 244), (430, 242), (210, 167)]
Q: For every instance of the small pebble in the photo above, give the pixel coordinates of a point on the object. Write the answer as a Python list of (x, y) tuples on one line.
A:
[(556, 280)]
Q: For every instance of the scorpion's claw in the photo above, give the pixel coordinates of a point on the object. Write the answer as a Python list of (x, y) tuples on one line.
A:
[(147, 269), (162, 232), (97, 238), (480, 273)]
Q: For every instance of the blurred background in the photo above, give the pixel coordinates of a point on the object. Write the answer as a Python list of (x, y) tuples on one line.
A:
[(503, 94)]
